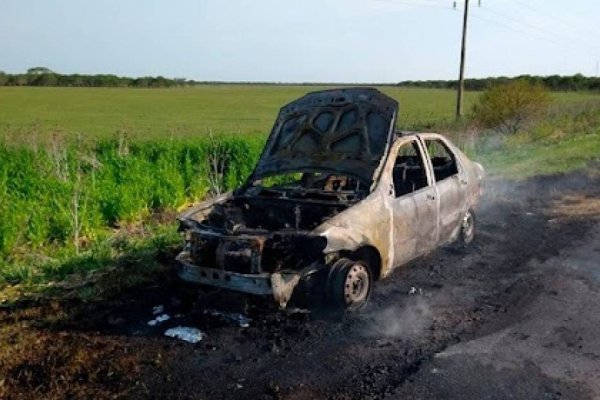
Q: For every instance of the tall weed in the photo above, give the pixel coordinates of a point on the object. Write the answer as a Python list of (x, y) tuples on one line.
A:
[(63, 193)]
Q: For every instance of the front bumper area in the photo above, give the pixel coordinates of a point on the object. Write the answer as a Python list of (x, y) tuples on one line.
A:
[(279, 284)]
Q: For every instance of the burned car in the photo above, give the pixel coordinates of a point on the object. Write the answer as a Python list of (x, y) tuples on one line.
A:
[(337, 200)]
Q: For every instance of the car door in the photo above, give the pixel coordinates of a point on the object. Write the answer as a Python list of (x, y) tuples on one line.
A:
[(414, 203), (449, 182)]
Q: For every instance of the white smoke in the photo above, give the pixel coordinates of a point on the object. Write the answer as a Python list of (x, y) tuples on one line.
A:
[(406, 320)]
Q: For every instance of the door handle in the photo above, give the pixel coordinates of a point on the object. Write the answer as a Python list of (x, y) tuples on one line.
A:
[(431, 197)]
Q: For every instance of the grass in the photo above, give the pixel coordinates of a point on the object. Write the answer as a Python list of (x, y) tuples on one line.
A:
[(90, 179), (533, 159), (182, 112)]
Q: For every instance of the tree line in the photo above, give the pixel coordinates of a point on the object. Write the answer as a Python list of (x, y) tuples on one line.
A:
[(41, 76), (553, 82)]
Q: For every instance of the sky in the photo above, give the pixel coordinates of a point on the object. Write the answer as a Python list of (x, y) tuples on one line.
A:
[(369, 41)]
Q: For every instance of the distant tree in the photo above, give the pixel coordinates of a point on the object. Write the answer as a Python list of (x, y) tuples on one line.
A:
[(48, 80), (3, 78), (20, 80), (76, 80), (141, 82), (552, 82), (180, 81), (579, 82), (507, 107), (39, 71)]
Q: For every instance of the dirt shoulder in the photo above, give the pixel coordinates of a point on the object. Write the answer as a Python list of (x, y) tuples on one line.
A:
[(512, 317), (549, 348)]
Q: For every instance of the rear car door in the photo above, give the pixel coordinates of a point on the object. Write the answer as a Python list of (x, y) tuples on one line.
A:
[(450, 184), (414, 203)]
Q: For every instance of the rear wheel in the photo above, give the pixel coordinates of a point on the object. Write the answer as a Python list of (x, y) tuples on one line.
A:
[(349, 284), (467, 228)]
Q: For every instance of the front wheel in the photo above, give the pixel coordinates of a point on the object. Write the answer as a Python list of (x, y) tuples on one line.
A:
[(349, 284)]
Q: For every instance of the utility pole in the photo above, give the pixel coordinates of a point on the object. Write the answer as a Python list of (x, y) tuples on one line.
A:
[(461, 77)]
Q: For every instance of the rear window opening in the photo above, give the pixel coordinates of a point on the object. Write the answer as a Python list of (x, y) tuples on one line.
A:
[(442, 159)]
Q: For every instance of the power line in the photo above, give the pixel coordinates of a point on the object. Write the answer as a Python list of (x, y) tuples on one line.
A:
[(572, 28), (516, 21), (415, 4), (549, 34), (557, 19), (566, 48), (520, 31)]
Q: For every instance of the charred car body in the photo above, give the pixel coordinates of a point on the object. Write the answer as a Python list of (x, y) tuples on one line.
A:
[(336, 201)]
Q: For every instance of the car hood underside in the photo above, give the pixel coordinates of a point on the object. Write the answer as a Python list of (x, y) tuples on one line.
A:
[(345, 131)]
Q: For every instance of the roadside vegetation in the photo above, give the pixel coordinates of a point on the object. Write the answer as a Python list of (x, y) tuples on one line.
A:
[(70, 207), (564, 138), (520, 131), (77, 204)]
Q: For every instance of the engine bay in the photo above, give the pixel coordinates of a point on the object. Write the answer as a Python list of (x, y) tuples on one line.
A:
[(265, 226)]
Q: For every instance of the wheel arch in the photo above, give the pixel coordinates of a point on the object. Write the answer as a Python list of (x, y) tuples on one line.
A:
[(366, 253)]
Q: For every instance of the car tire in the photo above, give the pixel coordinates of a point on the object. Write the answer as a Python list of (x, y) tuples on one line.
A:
[(467, 228), (349, 284)]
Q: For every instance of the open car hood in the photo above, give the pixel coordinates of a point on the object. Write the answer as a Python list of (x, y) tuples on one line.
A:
[(346, 131)]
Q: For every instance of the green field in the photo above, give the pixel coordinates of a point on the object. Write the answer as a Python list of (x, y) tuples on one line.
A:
[(154, 113), (185, 112)]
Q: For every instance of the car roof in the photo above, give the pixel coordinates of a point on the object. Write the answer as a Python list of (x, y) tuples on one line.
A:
[(405, 134)]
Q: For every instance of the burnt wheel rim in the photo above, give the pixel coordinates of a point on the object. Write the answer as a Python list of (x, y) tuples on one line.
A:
[(356, 286), (468, 227)]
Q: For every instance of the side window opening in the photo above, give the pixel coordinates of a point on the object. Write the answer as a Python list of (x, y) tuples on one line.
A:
[(442, 159), (409, 173)]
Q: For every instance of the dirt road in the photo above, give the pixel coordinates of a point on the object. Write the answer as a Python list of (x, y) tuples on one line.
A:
[(514, 316)]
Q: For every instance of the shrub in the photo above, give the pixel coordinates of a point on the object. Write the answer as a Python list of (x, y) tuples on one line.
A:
[(509, 106)]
